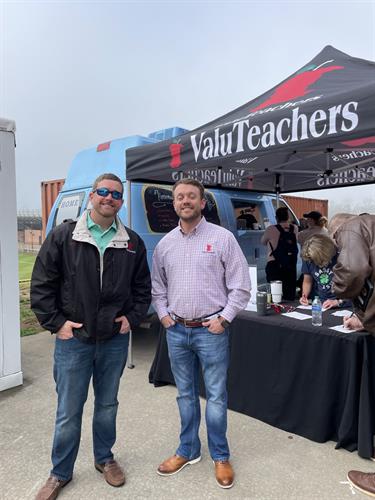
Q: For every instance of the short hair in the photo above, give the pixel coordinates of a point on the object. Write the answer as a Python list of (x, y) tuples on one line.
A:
[(337, 221), (191, 182), (319, 249), (106, 177), (282, 214)]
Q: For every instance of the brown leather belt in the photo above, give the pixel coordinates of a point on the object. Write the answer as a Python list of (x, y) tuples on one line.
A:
[(189, 323), (196, 322)]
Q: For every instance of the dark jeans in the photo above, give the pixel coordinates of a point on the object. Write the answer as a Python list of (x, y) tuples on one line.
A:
[(288, 276), (75, 363)]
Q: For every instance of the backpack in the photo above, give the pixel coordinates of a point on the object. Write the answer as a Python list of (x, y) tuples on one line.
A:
[(286, 251)]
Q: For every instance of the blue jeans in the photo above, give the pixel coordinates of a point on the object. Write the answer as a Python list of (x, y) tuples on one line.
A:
[(75, 363), (189, 347)]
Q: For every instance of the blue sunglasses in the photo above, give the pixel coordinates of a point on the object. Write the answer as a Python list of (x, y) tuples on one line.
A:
[(104, 192)]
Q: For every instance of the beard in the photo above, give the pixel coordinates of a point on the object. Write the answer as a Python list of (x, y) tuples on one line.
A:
[(192, 215)]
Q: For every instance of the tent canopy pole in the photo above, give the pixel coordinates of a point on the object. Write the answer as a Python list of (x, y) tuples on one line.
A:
[(277, 189), (128, 203)]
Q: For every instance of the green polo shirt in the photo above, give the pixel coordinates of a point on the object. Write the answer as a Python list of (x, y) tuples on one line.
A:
[(101, 236)]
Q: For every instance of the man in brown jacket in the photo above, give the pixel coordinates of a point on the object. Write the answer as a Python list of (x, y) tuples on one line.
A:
[(354, 278)]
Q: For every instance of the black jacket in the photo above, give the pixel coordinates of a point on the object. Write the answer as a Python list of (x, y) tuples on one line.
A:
[(72, 281)]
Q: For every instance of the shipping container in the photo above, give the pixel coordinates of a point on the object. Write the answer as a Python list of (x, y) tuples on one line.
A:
[(50, 191), (302, 206)]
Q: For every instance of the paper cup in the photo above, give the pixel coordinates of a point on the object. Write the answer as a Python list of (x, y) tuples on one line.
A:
[(276, 287), (276, 291), (276, 298)]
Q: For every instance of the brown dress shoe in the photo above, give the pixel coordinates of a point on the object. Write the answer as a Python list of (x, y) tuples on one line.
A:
[(113, 473), (363, 481), (51, 489), (174, 464), (224, 473)]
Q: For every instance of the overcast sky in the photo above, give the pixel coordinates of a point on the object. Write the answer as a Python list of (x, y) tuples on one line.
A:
[(75, 74)]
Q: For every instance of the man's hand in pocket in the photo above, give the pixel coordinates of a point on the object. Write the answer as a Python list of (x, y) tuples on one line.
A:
[(66, 331), (125, 325)]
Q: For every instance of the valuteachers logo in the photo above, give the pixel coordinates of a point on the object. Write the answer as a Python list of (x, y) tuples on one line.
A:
[(299, 85), (246, 137)]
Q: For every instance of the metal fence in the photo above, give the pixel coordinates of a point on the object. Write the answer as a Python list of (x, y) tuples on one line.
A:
[(29, 228)]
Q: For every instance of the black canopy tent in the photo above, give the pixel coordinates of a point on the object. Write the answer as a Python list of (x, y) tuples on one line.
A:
[(314, 130)]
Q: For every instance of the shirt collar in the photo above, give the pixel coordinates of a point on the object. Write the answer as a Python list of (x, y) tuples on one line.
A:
[(200, 227), (91, 224)]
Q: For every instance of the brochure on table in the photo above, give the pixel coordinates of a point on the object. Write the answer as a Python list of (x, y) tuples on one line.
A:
[(252, 304)]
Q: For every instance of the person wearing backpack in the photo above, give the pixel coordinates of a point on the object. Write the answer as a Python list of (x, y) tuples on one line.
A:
[(281, 241)]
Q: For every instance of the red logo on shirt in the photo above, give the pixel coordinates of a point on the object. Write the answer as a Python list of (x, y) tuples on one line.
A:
[(208, 248)]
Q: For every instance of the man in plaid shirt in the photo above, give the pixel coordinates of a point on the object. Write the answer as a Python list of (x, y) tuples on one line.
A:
[(200, 282)]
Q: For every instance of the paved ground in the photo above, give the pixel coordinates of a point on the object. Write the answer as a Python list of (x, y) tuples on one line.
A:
[(269, 463)]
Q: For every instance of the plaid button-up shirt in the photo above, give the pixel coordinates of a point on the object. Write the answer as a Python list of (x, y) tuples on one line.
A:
[(197, 274)]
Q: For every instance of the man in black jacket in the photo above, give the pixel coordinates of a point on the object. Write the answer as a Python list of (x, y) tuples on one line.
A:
[(90, 285)]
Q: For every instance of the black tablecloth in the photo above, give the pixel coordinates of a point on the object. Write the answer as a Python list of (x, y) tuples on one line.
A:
[(311, 381)]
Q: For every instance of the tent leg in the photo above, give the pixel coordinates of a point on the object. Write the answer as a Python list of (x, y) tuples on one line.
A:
[(129, 213), (130, 351)]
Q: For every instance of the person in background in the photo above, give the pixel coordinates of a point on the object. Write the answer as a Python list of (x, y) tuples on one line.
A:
[(337, 220), (354, 278), (248, 216), (352, 321), (355, 268), (200, 281), (90, 285), (319, 255), (316, 225), (302, 224), (324, 222), (281, 240)]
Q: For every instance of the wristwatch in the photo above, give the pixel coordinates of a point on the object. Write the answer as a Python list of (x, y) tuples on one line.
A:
[(224, 322), (340, 302)]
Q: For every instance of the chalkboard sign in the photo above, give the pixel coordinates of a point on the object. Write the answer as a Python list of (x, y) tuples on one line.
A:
[(160, 212)]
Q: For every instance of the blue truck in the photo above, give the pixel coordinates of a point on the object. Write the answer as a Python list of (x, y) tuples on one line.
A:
[(151, 212)]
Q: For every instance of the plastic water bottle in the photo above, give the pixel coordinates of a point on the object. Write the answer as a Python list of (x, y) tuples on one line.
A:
[(316, 312), (269, 296)]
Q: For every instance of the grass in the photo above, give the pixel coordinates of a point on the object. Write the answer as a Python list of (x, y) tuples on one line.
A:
[(29, 324), (25, 265)]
